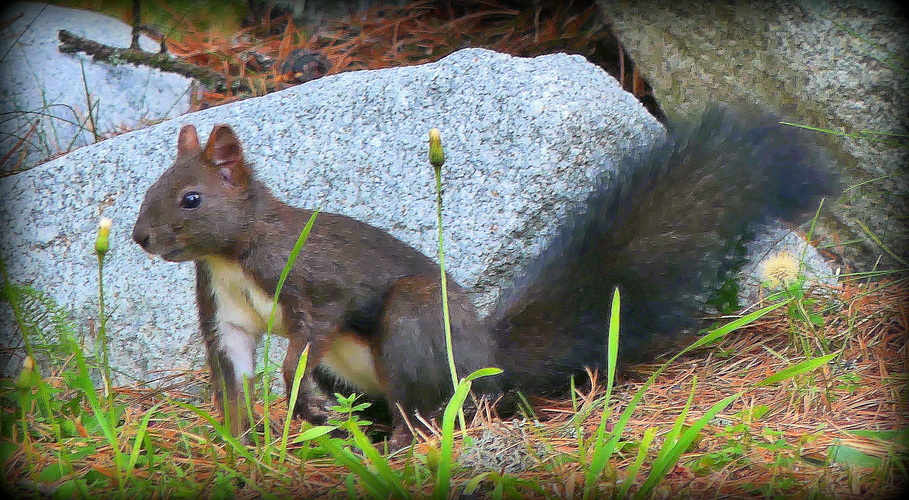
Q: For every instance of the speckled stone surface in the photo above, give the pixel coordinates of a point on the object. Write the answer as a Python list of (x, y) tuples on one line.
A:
[(523, 138), (69, 98)]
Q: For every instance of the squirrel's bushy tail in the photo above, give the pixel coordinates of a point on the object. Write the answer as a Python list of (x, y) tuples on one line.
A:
[(665, 235)]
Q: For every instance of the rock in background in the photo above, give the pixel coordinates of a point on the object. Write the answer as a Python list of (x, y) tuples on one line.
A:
[(837, 65), (524, 139), (57, 102)]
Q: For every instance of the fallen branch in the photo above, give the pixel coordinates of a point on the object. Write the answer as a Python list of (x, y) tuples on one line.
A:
[(71, 43)]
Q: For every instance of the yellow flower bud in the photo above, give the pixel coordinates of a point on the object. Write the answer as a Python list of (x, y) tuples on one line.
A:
[(432, 457), (28, 377), (436, 155), (102, 242)]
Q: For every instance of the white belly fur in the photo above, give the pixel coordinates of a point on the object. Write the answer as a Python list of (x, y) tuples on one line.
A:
[(240, 300), (243, 309), (350, 359), (242, 312)]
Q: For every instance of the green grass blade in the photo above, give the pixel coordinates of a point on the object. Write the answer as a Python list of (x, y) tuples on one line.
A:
[(373, 484), (600, 454), (474, 483), (294, 392), (294, 253), (391, 479), (669, 459), (483, 372), (679, 423), (612, 351), (292, 258), (314, 432), (452, 409), (83, 381), (633, 469), (602, 450), (225, 434), (804, 366), (141, 433), (724, 330), (443, 473)]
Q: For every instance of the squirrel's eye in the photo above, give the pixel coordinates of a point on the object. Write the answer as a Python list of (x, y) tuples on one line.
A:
[(191, 199)]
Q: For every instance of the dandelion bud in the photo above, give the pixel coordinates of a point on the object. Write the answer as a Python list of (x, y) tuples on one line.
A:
[(436, 155), (102, 242), (28, 377)]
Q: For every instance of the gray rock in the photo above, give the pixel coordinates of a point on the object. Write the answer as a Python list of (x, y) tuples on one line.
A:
[(45, 88), (838, 65), (523, 140), (754, 282)]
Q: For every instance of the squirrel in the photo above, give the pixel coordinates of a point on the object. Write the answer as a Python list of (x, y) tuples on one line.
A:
[(369, 306)]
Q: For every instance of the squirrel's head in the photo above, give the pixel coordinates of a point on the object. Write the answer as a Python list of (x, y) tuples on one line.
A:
[(202, 205)]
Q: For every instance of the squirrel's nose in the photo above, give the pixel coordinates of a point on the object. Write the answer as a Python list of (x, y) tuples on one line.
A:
[(141, 237)]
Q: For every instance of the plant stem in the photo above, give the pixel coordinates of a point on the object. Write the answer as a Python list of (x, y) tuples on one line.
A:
[(449, 349), (102, 332)]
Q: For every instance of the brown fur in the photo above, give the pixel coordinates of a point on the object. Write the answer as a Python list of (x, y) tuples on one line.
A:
[(666, 232), (338, 283)]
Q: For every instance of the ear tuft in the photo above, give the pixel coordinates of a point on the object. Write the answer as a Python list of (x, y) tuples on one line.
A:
[(224, 152), (188, 141)]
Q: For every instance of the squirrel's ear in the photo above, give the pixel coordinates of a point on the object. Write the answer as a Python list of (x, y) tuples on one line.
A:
[(188, 141), (223, 151)]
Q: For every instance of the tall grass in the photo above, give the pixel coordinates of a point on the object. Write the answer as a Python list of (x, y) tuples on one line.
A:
[(68, 439), (65, 417)]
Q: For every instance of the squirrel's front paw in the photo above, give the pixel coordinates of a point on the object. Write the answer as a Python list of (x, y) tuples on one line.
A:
[(310, 409)]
